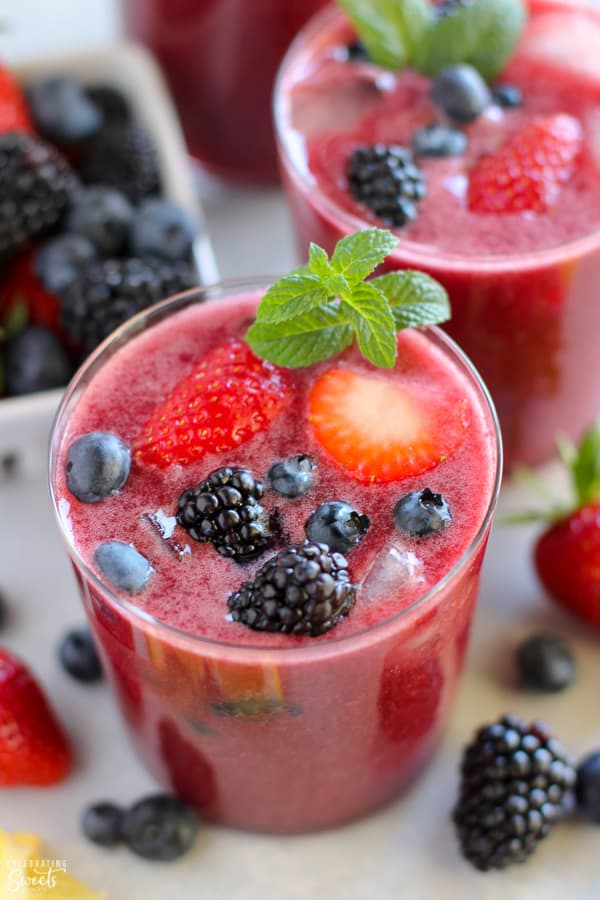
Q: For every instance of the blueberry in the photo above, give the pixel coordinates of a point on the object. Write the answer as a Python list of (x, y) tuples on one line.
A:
[(3, 611), (163, 229), (545, 663), (102, 823), (438, 140), (58, 261), (102, 215), (588, 786), (509, 96), (461, 92), (79, 657), (160, 827), (293, 477), (34, 360), (97, 465), (357, 52), (338, 525), (123, 566), (61, 110), (421, 513)]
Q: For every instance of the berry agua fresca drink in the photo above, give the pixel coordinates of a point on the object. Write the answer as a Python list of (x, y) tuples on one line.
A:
[(280, 560), (220, 58), (480, 147)]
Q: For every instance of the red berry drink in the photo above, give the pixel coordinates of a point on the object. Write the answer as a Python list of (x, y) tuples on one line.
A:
[(238, 490), (220, 58), (504, 209)]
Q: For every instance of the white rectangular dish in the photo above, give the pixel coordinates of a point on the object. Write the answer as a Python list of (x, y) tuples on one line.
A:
[(25, 421)]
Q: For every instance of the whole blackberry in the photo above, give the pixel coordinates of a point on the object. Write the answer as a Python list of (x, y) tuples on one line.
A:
[(124, 157), (36, 184), (516, 783), (302, 590), (224, 510), (386, 179), (108, 292)]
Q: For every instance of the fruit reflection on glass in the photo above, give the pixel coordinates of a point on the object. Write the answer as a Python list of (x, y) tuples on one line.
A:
[(277, 499), (472, 130)]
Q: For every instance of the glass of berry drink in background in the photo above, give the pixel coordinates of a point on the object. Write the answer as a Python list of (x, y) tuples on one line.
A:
[(269, 731), (523, 285), (220, 58)]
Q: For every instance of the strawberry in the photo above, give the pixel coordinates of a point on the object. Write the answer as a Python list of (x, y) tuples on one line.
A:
[(529, 169), (22, 287), (14, 115), (383, 430), (229, 396), (33, 747), (567, 553)]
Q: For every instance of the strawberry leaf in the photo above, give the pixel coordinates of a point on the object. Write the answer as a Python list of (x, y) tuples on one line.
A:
[(371, 318), (303, 340), (585, 467), (359, 254), (415, 298)]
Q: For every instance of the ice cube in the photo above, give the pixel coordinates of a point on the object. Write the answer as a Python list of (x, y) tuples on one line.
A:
[(164, 525), (395, 570)]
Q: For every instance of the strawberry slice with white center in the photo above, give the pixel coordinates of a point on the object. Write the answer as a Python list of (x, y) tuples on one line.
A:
[(379, 429)]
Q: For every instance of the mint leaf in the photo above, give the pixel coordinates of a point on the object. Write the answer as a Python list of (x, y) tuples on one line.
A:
[(414, 298), (391, 30), (318, 261), (585, 467), (303, 340), (483, 33), (291, 296), (370, 316), (359, 254)]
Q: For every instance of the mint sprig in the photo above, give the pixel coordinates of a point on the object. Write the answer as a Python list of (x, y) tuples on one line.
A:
[(318, 310), (400, 33)]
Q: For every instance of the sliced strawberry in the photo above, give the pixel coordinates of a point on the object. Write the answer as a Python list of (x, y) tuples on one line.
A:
[(380, 429), (14, 115), (528, 171), (230, 395), (33, 747)]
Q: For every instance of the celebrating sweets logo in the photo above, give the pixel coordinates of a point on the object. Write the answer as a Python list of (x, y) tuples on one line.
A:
[(33, 873)]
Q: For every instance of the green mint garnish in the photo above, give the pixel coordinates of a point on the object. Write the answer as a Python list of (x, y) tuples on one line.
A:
[(319, 309), (400, 33)]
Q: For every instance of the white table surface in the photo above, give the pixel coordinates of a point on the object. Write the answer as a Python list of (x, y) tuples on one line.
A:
[(406, 852)]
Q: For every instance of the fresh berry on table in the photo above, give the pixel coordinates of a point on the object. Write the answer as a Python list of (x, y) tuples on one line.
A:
[(122, 156), (545, 663), (160, 827), (33, 359), (101, 214), (102, 823), (79, 657), (161, 228), (588, 786), (62, 112), (34, 749)]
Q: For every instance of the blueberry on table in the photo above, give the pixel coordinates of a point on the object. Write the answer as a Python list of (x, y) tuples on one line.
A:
[(123, 566), (338, 525), (34, 360), (588, 786), (101, 214), (61, 110), (461, 93), (162, 228), (436, 140), (57, 262), (421, 513), (160, 828), (79, 657), (545, 663), (292, 477), (102, 823), (97, 465)]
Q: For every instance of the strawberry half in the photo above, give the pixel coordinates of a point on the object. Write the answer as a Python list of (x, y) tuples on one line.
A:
[(33, 747), (230, 395), (529, 169), (14, 115), (378, 429)]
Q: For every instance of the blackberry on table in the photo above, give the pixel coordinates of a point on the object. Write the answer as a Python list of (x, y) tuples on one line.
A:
[(386, 179), (108, 292), (124, 157), (516, 783), (304, 589), (36, 185), (225, 510)]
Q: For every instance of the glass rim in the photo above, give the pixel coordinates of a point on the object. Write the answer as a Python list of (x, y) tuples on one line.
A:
[(411, 252), (151, 317)]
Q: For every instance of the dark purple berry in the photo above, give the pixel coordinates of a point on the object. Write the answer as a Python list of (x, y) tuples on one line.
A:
[(97, 466), (34, 360), (61, 110), (123, 566), (545, 663), (386, 179), (588, 786), (421, 513), (436, 140), (338, 525), (160, 828), (293, 477), (79, 657), (162, 228), (460, 92), (102, 823), (103, 216)]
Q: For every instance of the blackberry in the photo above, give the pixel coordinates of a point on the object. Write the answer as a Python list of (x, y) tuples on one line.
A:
[(124, 157), (111, 102), (36, 184), (304, 589), (108, 292), (225, 510), (516, 783), (386, 179)]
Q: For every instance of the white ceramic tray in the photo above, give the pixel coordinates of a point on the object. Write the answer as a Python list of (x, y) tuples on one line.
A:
[(25, 421)]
